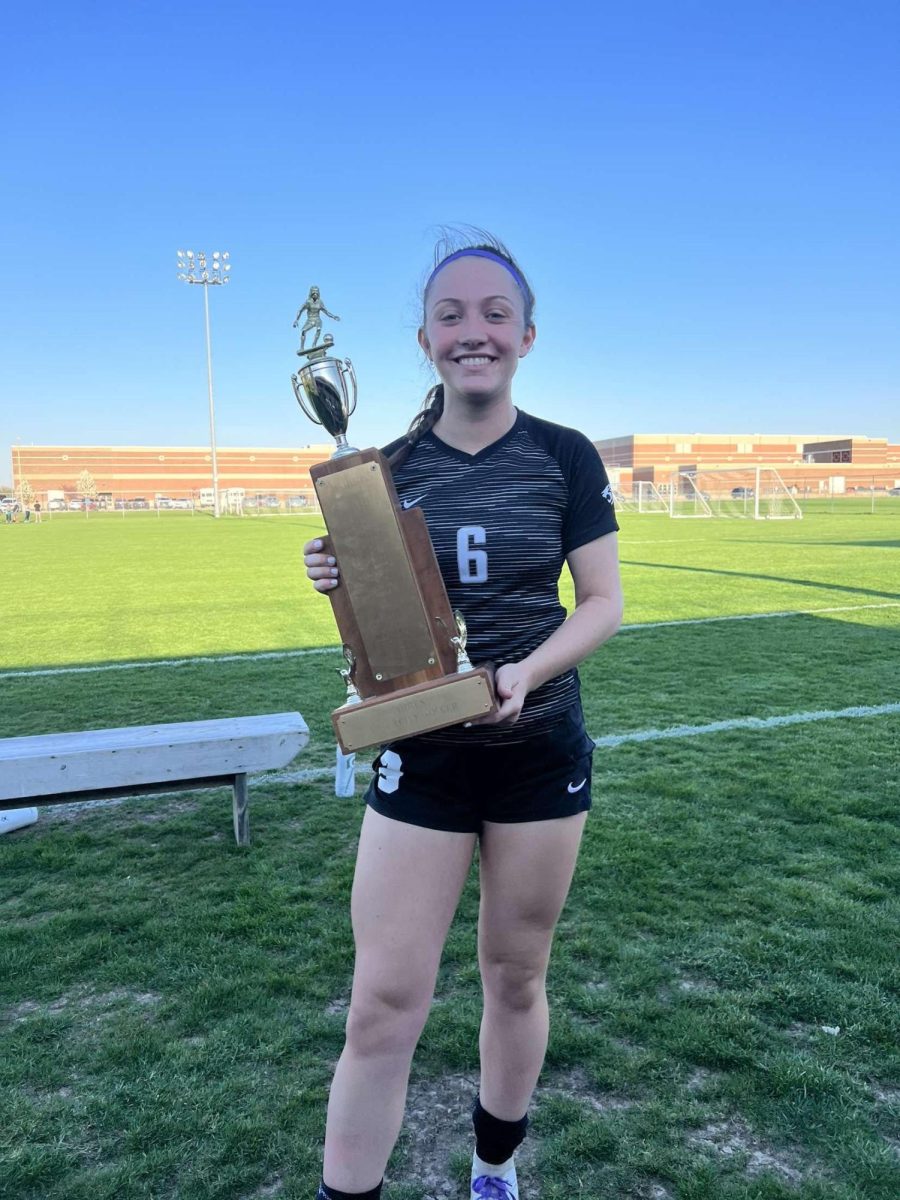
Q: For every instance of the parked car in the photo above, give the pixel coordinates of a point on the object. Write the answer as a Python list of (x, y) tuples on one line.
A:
[(75, 505), (164, 502), (56, 505), (894, 491), (182, 504), (139, 502), (742, 493), (270, 502), (8, 504), (297, 502)]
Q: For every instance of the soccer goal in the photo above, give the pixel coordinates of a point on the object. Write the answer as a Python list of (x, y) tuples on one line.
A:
[(622, 502), (645, 498), (756, 493), (686, 498), (649, 499)]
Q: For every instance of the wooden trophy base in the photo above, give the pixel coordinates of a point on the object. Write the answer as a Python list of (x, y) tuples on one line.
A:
[(412, 710)]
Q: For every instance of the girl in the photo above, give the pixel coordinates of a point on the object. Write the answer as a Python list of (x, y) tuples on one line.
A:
[(508, 498)]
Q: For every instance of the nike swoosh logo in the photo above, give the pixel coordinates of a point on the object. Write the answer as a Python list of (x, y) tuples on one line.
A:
[(412, 503), (572, 787)]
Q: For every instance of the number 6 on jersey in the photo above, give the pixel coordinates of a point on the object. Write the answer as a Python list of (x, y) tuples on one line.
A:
[(473, 564)]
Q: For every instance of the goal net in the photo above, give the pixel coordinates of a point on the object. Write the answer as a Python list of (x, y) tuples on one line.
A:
[(686, 497), (751, 493), (644, 498), (649, 499)]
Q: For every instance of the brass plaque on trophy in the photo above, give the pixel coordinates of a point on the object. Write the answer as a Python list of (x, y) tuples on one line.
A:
[(407, 671)]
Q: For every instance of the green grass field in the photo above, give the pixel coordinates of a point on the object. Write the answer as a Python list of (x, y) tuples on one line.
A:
[(725, 984)]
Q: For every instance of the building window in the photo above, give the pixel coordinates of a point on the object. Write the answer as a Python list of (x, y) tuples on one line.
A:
[(745, 447), (799, 447), (162, 458), (253, 458), (296, 459), (683, 447), (207, 458), (65, 458)]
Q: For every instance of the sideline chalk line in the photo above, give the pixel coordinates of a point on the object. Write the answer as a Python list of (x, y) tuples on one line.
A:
[(610, 741), (799, 718), (275, 654)]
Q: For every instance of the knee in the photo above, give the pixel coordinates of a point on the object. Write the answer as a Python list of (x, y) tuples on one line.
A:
[(386, 1020), (514, 984)]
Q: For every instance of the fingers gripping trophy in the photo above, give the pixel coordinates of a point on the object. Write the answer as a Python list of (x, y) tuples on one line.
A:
[(406, 667)]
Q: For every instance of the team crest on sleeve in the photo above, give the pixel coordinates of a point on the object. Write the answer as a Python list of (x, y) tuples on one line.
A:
[(607, 493)]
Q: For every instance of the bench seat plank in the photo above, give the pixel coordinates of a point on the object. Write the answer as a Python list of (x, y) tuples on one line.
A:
[(63, 763)]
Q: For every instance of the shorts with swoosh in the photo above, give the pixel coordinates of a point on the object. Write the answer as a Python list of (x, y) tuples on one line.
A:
[(458, 787)]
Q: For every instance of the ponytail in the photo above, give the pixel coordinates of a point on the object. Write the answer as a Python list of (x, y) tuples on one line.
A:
[(423, 422)]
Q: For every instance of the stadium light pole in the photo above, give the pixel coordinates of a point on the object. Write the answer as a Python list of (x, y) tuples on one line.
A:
[(195, 268)]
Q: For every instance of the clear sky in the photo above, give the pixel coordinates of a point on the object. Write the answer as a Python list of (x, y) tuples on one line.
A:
[(706, 197)]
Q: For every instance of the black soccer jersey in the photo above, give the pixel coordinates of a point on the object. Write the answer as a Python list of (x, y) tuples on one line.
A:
[(502, 522)]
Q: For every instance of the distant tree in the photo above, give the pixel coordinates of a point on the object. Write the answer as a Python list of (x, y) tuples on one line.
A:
[(26, 492), (86, 485)]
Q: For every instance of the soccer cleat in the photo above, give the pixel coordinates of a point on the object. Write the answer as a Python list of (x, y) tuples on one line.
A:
[(495, 1187)]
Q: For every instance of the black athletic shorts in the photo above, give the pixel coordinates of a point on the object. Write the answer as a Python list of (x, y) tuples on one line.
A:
[(457, 787)]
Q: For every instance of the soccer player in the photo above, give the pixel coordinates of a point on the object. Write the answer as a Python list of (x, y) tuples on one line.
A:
[(508, 499)]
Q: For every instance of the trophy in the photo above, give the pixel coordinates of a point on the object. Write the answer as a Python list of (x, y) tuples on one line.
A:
[(406, 668)]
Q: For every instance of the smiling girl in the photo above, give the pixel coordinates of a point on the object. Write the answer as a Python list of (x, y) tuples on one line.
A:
[(508, 499)]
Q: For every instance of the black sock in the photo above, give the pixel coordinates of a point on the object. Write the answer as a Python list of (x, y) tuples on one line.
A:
[(496, 1140), (330, 1193)]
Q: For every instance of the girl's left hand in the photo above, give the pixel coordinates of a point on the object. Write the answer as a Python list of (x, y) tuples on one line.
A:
[(512, 685)]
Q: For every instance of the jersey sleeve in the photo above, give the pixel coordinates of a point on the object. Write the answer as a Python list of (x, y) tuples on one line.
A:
[(590, 512)]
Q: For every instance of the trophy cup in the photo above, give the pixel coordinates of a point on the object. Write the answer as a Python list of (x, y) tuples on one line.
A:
[(407, 671)]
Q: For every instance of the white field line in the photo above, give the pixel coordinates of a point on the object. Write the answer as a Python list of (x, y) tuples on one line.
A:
[(170, 662), (274, 654), (794, 612), (800, 718), (610, 742)]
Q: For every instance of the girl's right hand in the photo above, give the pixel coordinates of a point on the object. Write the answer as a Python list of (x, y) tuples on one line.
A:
[(320, 564)]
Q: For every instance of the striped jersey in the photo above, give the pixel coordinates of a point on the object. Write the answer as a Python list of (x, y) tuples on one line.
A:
[(502, 522)]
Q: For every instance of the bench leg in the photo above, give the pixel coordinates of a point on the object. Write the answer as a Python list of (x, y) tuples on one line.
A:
[(241, 816)]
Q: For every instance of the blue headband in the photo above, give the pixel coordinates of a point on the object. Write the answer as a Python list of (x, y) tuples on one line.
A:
[(497, 258)]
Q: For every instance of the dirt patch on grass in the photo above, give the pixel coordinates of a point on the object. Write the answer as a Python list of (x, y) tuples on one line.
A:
[(95, 1005), (437, 1141), (733, 1139), (597, 985), (74, 809), (575, 1085), (142, 810), (437, 1137), (700, 1077), (694, 983), (273, 1187)]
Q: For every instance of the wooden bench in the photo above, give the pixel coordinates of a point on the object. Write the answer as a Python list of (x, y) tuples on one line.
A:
[(97, 764)]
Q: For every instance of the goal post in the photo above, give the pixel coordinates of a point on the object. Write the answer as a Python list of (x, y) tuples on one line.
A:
[(749, 493), (649, 498), (774, 501), (686, 497)]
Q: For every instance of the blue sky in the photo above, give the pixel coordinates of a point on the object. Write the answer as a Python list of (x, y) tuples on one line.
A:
[(705, 196)]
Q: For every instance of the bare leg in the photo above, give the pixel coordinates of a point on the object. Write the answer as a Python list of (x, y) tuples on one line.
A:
[(407, 886), (526, 870)]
